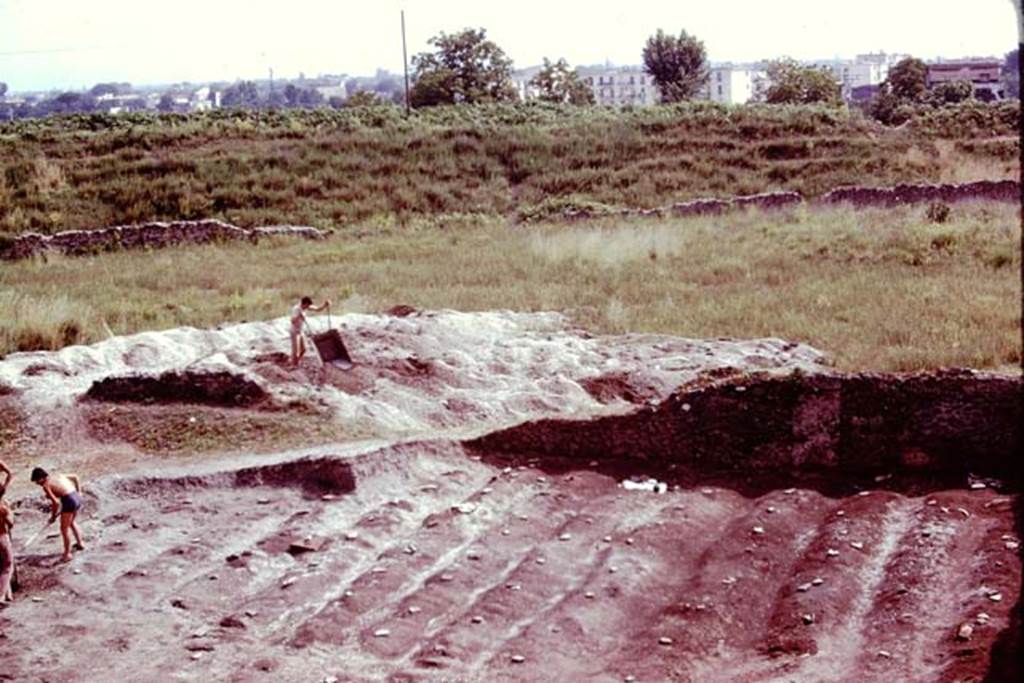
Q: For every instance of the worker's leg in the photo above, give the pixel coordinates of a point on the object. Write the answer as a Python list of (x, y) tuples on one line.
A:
[(302, 346), (296, 339), (6, 567), (74, 530), (66, 518)]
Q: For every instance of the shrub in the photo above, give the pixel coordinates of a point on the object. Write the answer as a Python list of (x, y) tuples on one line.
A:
[(938, 212)]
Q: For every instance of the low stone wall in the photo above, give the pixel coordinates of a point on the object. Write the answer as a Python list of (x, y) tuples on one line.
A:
[(858, 196), (950, 422), (154, 235), (992, 190)]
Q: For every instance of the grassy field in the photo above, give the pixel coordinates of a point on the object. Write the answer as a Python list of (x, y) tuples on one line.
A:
[(876, 289), (331, 169)]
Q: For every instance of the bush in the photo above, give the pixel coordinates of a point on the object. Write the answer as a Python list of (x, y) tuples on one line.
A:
[(938, 212)]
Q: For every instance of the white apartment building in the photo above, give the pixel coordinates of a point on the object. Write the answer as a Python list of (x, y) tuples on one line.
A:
[(619, 86), (734, 83)]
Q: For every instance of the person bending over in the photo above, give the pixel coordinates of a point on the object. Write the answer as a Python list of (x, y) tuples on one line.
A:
[(65, 494)]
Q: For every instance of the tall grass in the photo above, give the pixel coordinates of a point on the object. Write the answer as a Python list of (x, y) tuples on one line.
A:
[(877, 289), (331, 169)]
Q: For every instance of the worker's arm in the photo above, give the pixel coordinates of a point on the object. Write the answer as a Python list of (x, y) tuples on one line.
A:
[(6, 472), (74, 480), (322, 307)]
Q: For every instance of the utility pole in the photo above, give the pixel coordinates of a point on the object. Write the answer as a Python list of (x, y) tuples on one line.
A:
[(405, 65)]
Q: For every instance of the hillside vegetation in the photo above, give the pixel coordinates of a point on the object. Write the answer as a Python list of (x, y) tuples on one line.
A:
[(330, 168)]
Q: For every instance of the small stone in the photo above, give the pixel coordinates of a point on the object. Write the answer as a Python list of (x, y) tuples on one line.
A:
[(995, 597), (612, 570), (977, 485), (351, 536), (409, 550), (770, 510), (884, 653), (348, 594), (840, 513), (200, 632), (832, 552), (477, 619), (465, 508), (864, 493), (589, 595), (982, 618), (565, 537), (382, 633), (758, 530), (817, 581), (857, 544), (505, 532), (518, 659), (789, 492), (263, 501), (807, 619), (932, 502), (486, 490), (964, 631), (629, 678), (251, 613), (328, 497), (629, 541), (413, 609), (707, 492), (607, 539), (803, 587), (686, 407), (1012, 545), (514, 586), (197, 655), (593, 463), (665, 640), (522, 518), (379, 570), (540, 560), (447, 577), (963, 512), (232, 622), (287, 582), (729, 580)]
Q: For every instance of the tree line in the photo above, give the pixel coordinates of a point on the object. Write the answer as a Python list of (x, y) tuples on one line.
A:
[(467, 68)]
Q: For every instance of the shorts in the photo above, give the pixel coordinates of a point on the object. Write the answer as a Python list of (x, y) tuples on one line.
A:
[(71, 502)]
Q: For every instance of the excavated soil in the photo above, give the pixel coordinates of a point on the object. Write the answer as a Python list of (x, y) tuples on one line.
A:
[(541, 505), (424, 562)]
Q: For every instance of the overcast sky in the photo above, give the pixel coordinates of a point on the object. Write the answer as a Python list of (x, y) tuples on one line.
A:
[(65, 44)]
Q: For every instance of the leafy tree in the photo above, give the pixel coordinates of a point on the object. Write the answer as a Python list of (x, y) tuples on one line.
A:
[(908, 80), (276, 99), (3, 88), (109, 89), (556, 82), (243, 94), (166, 103), (793, 83), (951, 92), (1011, 73), (678, 65), (465, 67)]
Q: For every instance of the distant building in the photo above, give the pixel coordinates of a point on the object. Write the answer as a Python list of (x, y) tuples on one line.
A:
[(734, 83), (984, 74), (620, 86), (521, 80)]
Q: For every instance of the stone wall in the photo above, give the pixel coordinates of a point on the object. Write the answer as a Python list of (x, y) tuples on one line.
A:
[(953, 422), (154, 235)]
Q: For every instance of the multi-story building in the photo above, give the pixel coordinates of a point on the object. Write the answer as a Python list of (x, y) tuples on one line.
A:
[(984, 74), (734, 83), (620, 85)]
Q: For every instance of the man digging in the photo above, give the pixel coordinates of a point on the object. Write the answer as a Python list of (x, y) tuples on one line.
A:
[(64, 492), (298, 319)]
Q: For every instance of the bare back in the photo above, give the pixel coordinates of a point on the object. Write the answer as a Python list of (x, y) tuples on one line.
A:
[(61, 485)]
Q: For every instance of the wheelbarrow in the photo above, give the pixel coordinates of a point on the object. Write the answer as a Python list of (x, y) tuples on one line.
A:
[(329, 346)]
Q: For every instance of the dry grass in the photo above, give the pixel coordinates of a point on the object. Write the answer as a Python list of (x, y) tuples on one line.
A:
[(878, 289)]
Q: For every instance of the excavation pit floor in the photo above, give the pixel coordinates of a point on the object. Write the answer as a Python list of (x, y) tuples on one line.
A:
[(423, 562)]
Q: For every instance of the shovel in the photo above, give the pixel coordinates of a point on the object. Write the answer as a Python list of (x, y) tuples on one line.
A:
[(329, 345)]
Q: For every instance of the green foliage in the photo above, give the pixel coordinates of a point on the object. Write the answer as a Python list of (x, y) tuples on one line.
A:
[(556, 82), (792, 83), (951, 92), (908, 80), (241, 95), (465, 68), (365, 98), (678, 65), (938, 212)]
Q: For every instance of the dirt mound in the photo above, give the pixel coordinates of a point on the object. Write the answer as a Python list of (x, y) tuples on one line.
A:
[(199, 387), (940, 422)]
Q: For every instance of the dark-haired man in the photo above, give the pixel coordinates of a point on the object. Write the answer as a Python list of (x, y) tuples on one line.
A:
[(298, 319), (65, 494)]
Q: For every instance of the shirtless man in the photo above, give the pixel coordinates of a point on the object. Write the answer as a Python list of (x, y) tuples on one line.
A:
[(64, 492), (298, 317)]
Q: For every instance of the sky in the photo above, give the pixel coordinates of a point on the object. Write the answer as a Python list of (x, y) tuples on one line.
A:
[(73, 44)]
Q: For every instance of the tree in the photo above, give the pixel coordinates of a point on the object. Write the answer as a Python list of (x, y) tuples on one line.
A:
[(3, 88), (556, 82), (243, 94), (465, 67), (908, 80), (1011, 73), (793, 83), (951, 92), (678, 65), (166, 103), (109, 89)]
